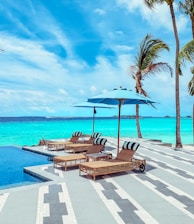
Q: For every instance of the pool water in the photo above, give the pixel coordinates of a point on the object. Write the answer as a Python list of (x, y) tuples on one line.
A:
[(12, 161)]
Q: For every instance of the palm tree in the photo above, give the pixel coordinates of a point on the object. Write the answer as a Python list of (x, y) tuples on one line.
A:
[(145, 65), (151, 4), (187, 53), (188, 50)]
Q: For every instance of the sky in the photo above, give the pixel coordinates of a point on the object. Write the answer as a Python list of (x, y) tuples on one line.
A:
[(57, 53)]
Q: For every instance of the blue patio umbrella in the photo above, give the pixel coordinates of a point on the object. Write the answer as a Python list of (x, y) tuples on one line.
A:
[(120, 97), (94, 106)]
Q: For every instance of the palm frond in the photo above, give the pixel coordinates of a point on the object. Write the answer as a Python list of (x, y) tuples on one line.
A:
[(187, 7), (149, 50), (187, 53), (191, 87), (133, 69), (151, 3), (157, 67), (192, 70)]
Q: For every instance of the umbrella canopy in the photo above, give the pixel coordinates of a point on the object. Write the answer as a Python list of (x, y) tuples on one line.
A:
[(120, 97), (94, 106)]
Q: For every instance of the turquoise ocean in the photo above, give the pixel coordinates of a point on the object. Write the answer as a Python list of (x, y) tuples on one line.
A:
[(19, 131)]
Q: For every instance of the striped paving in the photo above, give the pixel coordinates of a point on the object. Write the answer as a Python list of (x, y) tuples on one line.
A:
[(163, 194)]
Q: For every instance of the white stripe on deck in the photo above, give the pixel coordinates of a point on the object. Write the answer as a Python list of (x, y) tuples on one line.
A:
[(172, 171), (114, 209), (3, 199), (110, 204), (177, 204), (42, 208), (169, 186), (169, 155), (64, 197), (60, 172)]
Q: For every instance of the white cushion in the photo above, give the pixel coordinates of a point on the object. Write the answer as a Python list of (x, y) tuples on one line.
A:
[(100, 141), (77, 133), (130, 145)]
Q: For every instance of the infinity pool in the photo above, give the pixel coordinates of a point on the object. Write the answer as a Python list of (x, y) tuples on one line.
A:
[(12, 161)]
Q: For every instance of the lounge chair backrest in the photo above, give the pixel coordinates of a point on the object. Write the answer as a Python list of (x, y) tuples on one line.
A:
[(96, 135), (100, 141), (77, 133), (130, 145), (98, 145), (128, 150), (93, 137), (42, 142), (75, 136)]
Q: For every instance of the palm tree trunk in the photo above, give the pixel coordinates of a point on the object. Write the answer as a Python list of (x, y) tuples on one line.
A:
[(177, 97), (192, 24), (137, 122), (138, 90)]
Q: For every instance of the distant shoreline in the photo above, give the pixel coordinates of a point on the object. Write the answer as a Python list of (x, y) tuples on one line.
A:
[(82, 117), (54, 118)]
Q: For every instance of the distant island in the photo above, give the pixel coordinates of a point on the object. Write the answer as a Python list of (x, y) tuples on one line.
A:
[(47, 118)]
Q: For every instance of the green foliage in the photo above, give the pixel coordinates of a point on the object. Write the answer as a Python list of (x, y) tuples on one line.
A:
[(187, 7), (146, 58), (187, 52), (191, 87)]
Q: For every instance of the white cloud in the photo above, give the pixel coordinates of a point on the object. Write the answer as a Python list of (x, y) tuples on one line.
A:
[(100, 11), (93, 89), (131, 5), (82, 92), (33, 78), (123, 48), (182, 23), (160, 13), (42, 108), (63, 92)]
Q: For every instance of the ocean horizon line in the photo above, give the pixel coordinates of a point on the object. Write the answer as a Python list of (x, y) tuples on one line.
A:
[(80, 117)]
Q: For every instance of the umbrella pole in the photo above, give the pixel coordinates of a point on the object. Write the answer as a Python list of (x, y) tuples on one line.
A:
[(93, 123), (119, 116)]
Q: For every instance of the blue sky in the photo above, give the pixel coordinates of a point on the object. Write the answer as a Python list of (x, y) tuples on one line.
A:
[(60, 52)]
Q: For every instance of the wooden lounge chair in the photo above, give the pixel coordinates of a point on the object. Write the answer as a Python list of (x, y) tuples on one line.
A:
[(123, 162), (60, 145), (82, 146), (76, 159)]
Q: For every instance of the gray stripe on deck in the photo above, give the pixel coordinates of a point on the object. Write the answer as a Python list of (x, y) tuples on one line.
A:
[(127, 208), (162, 188), (163, 165), (87, 204), (57, 209)]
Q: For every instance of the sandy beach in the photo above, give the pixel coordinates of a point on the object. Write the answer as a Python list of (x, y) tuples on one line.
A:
[(163, 193)]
